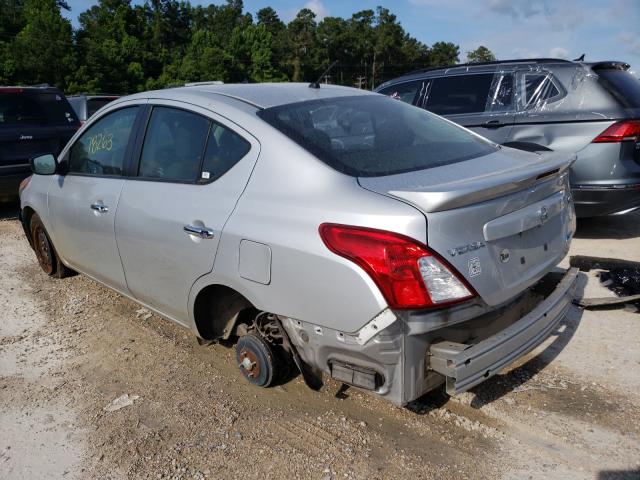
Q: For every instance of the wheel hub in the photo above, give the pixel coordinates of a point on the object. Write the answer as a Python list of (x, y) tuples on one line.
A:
[(249, 363)]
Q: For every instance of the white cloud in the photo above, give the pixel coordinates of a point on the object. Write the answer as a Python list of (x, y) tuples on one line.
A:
[(558, 52), (525, 53), (630, 41), (517, 8), (317, 7), (564, 14)]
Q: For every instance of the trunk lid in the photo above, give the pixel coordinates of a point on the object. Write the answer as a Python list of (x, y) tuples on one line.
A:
[(502, 221)]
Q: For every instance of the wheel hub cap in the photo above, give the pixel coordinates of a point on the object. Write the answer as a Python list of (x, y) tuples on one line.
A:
[(249, 363)]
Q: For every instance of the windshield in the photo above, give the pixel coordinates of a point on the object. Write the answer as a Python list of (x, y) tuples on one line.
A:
[(370, 136), (622, 85), (25, 108)]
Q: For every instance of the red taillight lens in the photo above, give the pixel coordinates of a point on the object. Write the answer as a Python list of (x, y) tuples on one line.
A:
[(401, 267), (620, 132)]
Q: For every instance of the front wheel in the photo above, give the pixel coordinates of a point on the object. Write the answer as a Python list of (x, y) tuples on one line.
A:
[(45, 253)]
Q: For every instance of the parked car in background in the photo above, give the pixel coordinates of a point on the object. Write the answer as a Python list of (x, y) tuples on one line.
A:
[(592, 109), (329, 227), (86, 105), (33, 120)]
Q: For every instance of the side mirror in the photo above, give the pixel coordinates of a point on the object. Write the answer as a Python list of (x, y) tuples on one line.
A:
[(44, 164)]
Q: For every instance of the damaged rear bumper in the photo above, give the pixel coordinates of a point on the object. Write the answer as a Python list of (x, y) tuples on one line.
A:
[(465, 366), (401, 355)]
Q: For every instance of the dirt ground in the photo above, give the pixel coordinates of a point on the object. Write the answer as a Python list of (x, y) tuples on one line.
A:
[(69, 348)]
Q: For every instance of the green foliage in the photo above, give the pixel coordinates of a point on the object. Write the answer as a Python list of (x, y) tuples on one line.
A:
[(480, 54), (40, 49), (444, 53), (124, 48)]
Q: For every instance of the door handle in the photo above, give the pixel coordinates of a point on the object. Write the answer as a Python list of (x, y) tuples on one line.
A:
[(99, 207), (493, 124), (202, 232)]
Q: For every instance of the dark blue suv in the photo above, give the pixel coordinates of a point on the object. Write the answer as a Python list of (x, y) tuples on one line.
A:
[(33, 120)]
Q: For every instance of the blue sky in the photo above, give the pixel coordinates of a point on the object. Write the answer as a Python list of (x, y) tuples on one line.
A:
[(602, 29)]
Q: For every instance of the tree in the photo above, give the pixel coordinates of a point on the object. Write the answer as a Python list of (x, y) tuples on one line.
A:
[(110, 41), (443, 53), (43, 49), (123, 46), (280, 42), (250, 55), (387, 47), (480, 54), (302, 33)]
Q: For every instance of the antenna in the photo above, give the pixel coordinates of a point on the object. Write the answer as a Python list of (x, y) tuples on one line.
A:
[(316, 84)]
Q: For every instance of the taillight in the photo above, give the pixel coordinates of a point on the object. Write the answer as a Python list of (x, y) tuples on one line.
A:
[(407, 273), (628, 130)]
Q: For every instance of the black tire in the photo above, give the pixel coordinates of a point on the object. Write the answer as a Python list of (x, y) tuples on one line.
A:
[(256, 360), (45, 252)]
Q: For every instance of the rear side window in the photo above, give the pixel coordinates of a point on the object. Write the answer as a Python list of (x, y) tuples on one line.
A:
[(369, 136), (622, 85), (406, 92), (173, 145), (224, 149), (183, 146), (26, 108), (95, 104), (538, 87), (459, 94), (100, 150)]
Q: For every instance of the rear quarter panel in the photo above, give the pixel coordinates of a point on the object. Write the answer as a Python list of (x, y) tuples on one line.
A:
[(289, 195), (570, 123)]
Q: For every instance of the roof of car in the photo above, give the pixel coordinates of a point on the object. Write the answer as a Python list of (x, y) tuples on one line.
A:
[(260, 95), (29, 88), (492, 66), (94, 95)]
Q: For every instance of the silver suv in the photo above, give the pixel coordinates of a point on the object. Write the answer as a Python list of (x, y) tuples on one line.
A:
[(591, 109), (331, 228)]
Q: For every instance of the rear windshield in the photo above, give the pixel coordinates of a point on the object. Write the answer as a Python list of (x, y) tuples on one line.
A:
[(27, 108), (622, 85), (95, 104), (370, 136)]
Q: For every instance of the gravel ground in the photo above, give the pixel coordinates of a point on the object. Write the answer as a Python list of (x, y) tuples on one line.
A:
[(71, 349)]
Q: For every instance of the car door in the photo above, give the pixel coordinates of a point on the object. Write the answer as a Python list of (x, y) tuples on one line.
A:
[(482, 102), (83, 202), (193, 166)]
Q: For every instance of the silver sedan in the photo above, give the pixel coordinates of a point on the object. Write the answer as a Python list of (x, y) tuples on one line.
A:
[(347, 233)]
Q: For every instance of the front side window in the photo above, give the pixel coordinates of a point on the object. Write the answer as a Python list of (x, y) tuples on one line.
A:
[(502, 93), (174, 145), (95, 104), (459, 94), (100, 150), (367, 136)]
